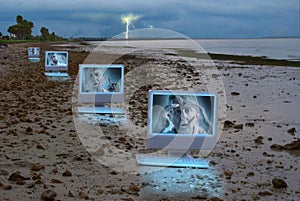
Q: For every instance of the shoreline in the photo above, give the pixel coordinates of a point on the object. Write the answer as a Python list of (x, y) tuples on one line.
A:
[(41, 143)]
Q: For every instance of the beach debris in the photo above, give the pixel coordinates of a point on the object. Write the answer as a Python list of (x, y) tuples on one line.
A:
[(292, 131), (264, 193), (3, 172), (279, 183), (29, 129), (250, 174), (259, 139), (6, 187), (238, 126), (36, 177), (230, 124), (249, 125), (133, 189), (228, 174), (48, 195), (83, 195), (56, 181), (291, 146), (31, 185), (54, 171), (235, 93), (37, 167), (70, 194), (17, 177), (40, 146), (212, 163), (67, 173), (113, 172)]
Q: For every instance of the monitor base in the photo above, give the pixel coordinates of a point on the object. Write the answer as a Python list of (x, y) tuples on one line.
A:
[(56, 74), (173, 159), (34, 59), (101, 110)]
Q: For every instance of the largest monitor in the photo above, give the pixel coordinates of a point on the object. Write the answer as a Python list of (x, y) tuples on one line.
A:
[(101, 85), (180, 121)]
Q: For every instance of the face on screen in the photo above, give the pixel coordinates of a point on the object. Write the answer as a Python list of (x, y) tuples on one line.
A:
[(185, 119), (57, 59), (181, 115), (33, 51), (101, 79)]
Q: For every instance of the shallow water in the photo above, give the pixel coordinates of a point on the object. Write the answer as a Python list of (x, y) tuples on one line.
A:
[(273, 48)]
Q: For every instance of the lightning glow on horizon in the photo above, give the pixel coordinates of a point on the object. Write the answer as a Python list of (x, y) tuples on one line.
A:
[(128, 19)]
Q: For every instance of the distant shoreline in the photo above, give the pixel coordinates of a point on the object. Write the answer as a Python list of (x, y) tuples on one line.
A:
[(241, 59), (238, 59), (133, 39)]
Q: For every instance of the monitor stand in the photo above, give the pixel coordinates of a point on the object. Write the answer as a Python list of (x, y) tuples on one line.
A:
[(56, 74), (175, 158), (100, 109), (34, 59)]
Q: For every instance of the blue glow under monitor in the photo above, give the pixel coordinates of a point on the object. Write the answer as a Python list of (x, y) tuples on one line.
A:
[(181, 120), (101, 84), (56, 61)]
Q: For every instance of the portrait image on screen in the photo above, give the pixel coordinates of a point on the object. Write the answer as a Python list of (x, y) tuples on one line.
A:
[(56, 61), (182, 114), (180, 121), (33, 52), (101, 80), (174, 116), (100, 84)]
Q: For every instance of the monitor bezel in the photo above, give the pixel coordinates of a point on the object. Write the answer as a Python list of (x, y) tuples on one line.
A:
[(56, 68), (181, 141), (100, 98)]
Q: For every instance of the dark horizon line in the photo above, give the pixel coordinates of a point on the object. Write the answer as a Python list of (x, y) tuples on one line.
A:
[(144, 38)]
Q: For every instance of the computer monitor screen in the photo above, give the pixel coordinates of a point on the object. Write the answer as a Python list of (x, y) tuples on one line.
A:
[(182, 120), (33, 52), (56, 61), (101, 84)]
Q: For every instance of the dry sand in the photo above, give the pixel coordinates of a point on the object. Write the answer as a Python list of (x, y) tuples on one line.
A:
[(46, 153)]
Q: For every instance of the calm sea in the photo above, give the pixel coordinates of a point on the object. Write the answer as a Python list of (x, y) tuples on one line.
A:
[(274, 48)]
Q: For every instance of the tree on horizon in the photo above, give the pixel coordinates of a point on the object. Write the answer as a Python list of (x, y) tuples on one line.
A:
[(21, 30), (45, 35)]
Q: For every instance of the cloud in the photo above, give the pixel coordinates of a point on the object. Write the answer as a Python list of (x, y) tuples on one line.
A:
[(205, 18)]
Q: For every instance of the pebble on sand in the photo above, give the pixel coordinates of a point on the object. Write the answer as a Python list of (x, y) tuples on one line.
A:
[(48, 195)]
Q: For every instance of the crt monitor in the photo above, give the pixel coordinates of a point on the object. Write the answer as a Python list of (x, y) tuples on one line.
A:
[(56, 61), (101, 85), (33, 54), (180, 120)]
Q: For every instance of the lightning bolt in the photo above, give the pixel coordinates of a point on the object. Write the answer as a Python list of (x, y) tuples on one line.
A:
[(128, 19)]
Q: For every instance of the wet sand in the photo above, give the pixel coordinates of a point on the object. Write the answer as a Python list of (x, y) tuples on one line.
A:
[(50, 151)]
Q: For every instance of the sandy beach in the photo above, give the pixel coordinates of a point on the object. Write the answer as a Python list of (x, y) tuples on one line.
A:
[(50, 152)]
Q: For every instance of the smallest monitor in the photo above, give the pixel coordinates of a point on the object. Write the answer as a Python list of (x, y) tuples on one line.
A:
[(56, 63), (34, 54), (101, 85)]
